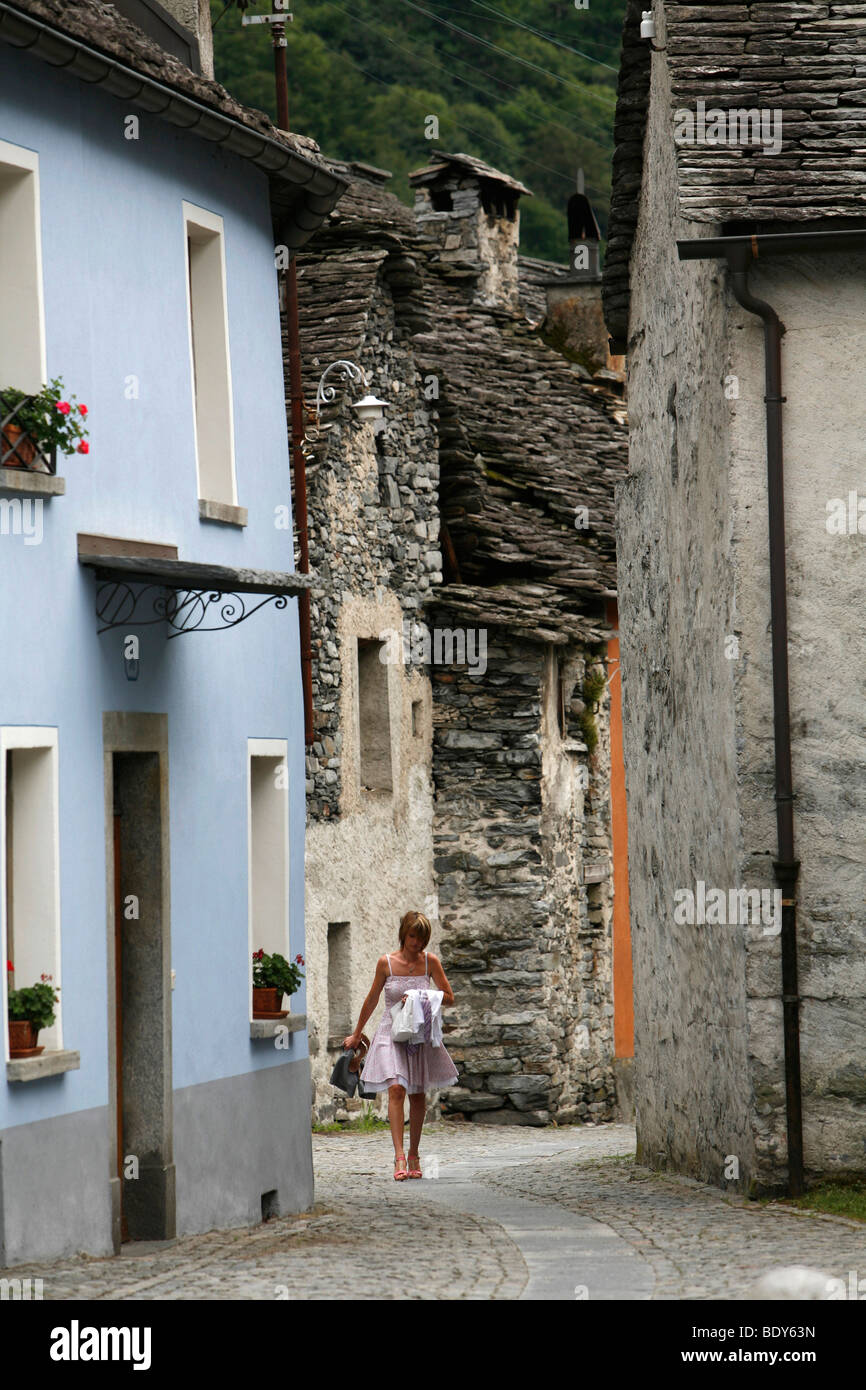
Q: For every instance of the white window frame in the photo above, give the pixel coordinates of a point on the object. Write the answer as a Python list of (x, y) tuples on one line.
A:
[(199, 220), (12, 737), (26, 162), (268, 748)]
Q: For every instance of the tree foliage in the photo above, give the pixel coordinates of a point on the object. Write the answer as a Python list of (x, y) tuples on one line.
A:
[(363, 79)]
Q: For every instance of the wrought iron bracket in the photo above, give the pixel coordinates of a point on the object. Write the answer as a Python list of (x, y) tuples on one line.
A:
[(123, 603)]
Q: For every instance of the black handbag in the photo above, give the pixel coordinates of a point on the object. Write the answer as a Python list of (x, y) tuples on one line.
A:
[(349, 1080), (341, 1077)]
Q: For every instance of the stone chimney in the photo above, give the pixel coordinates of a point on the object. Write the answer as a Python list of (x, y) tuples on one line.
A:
[(574, 322), (471, 210), (181, 27)]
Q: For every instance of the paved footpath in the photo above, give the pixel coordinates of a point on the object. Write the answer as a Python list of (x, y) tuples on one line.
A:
[(506, 1213)]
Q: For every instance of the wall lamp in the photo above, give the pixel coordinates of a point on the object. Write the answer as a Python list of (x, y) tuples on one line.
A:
[(369, 407)]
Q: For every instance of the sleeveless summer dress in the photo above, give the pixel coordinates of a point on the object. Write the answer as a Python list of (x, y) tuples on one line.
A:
[(417, 1066)]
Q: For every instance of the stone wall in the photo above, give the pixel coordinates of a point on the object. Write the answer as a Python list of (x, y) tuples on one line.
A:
[(374, 523), (371, 863), (373, 536), (574, 324), (527, 946), (676, 604), (697, 688)]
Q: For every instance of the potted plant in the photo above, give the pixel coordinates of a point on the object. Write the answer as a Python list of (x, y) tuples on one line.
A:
[(30, 1010), (273, 976), (41, 424)]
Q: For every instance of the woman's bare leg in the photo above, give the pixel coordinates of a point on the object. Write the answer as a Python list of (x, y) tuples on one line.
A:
[(417, 1111), (396, 1096)]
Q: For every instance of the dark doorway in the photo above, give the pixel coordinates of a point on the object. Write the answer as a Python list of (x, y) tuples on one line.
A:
[(141, 978)]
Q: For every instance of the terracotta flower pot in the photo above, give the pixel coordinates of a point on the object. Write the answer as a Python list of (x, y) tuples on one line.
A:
[(25, 450), (22, 1038), (266, 1003)]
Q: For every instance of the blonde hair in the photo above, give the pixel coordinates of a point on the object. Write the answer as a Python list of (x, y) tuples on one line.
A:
[(415, 921)]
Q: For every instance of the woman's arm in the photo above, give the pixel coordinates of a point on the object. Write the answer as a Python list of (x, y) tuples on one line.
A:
[(369, 1004), (437, 975)]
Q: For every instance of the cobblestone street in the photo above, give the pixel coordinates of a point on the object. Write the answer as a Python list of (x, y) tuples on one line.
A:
[(514, 1213)]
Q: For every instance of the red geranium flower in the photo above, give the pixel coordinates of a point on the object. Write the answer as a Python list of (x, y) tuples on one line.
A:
[(299, 959), (9, 965), (83, 448), (63, 407), (82, 410)]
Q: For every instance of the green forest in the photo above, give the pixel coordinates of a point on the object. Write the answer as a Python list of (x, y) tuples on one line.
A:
[(527, 85)]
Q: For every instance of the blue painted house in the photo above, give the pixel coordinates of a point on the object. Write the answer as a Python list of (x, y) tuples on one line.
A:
[(151, 720)]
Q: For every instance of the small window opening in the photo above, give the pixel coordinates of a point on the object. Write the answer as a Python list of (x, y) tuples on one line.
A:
[(339, 979), (374, 719)]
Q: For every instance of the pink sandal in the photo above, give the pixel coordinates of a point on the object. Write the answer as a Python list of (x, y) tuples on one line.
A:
[(400, 1174), (415, 1168)]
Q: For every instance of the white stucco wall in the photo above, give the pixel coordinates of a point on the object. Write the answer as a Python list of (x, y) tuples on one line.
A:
[(821, 300)]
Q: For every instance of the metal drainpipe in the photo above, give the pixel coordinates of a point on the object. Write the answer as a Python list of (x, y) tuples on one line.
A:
[(785, 865), (300, 471)]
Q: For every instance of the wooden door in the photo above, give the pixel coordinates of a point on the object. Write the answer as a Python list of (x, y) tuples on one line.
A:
[(118, 1011)]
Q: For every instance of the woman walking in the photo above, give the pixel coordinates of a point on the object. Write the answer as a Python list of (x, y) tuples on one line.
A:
[(399, 1067)]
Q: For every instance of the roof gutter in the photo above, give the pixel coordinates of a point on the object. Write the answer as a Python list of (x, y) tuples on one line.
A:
[(302, 192), (740, 252)]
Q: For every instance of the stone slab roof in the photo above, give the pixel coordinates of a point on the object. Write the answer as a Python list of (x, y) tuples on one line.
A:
[(539, 612), (368, 231), (806, 61), (629, 127), (525, 440), (101, 26), (474, 166)]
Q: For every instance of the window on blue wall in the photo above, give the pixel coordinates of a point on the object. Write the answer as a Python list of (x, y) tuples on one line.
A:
[(268, 831), (210, 364), (30, 906), (22, 331)]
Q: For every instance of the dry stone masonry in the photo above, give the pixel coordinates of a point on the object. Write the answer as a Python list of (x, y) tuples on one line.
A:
[(460, 517)]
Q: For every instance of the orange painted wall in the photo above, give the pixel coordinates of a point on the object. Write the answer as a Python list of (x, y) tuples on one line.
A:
[(623, 985)]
